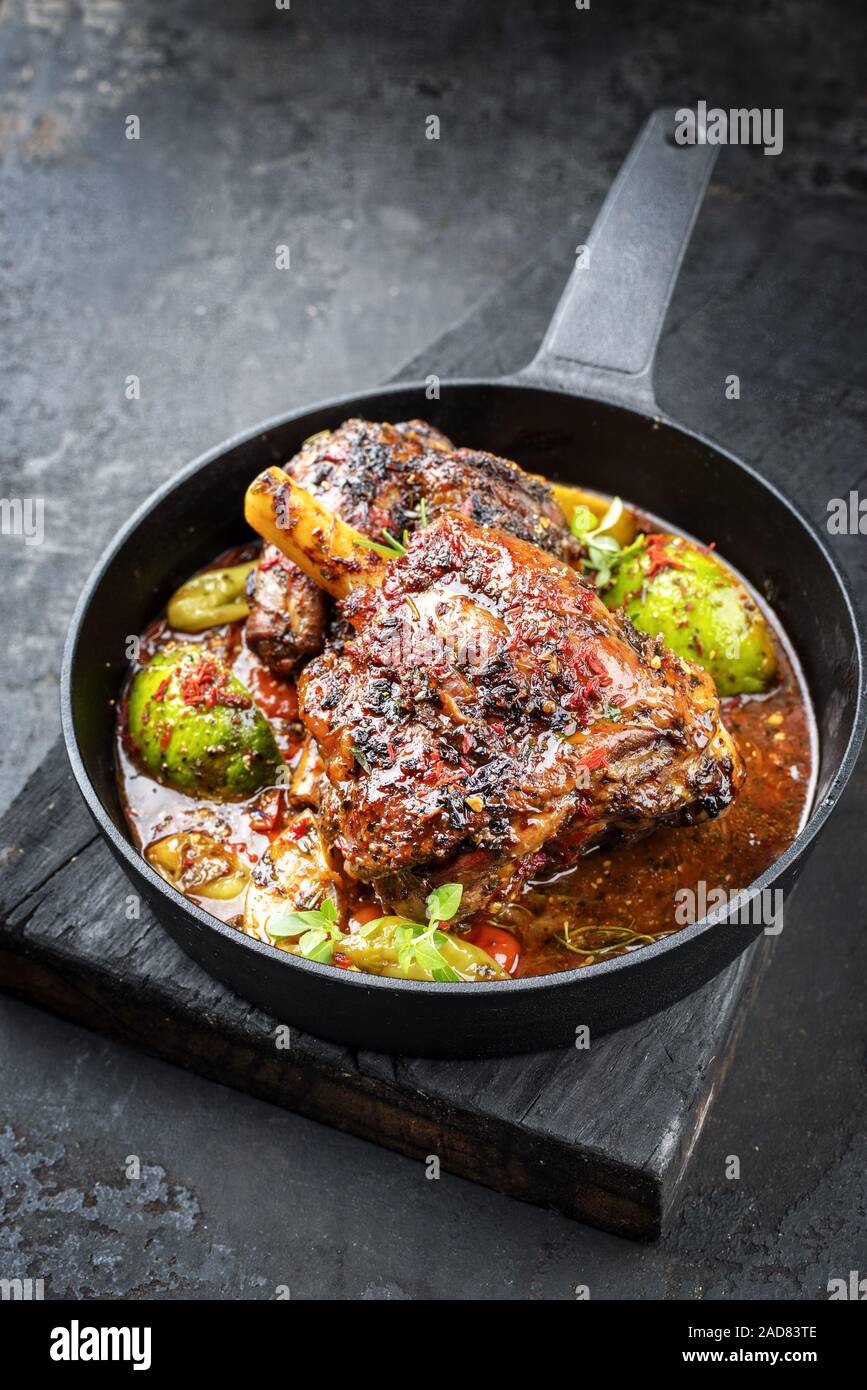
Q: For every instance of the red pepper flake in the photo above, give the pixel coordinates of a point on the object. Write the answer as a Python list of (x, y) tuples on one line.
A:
[(166, 736), (656, 553), (207, 684), (162, 688), (583, 698), (596, 665)]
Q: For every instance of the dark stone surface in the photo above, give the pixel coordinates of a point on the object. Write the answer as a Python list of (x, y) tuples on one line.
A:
[(156, 258)]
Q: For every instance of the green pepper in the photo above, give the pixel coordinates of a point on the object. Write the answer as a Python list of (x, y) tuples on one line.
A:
[(210, 599), (377, 949), (197, 863), (195, 727), (672, 587)]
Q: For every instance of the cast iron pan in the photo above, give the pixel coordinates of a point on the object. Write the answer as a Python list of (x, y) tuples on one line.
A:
[(583, 411)]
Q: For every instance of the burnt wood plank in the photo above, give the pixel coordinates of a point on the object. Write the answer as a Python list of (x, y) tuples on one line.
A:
[(600, 1135)]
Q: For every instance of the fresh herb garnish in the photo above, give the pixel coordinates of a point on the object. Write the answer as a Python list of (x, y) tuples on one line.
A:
[(604, 552), (421, 945), (422, 512), (318, 930), (442, 904)]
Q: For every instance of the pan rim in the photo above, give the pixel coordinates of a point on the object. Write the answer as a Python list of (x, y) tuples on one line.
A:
[(572, 979)]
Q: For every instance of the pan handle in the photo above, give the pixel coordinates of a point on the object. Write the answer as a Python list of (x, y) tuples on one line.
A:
[(603, 336)]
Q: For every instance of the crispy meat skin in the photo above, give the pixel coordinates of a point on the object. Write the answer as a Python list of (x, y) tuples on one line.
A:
[(375, 477), (489, 719), (287, 614)]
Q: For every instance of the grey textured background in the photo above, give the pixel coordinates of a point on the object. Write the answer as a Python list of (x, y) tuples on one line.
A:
[(156, 258), (306, 127)]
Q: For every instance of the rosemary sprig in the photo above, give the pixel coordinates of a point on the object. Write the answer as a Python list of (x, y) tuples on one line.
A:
[(617, 938), (391, 551), (394, 542)]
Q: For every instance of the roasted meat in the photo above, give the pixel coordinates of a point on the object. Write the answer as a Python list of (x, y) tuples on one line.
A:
[(287, 615), (488, 719), (351, 469), (392, 478), (363, 472), (377, 477)]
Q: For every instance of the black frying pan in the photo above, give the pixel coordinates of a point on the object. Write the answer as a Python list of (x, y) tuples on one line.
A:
[(583, 411)]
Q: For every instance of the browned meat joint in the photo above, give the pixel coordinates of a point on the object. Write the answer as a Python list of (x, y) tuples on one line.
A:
[(287, 615), (383, 478), (490, 718)]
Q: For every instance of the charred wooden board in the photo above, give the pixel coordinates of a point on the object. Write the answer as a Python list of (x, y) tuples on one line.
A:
[(603, 1135)]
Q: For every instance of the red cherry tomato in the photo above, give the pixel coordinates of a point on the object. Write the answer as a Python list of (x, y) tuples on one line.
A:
[(275, 695), (500, 945), (362, 914)]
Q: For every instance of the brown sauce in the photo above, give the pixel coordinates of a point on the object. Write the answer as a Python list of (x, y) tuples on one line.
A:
[(628, 893), (614, 900)]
